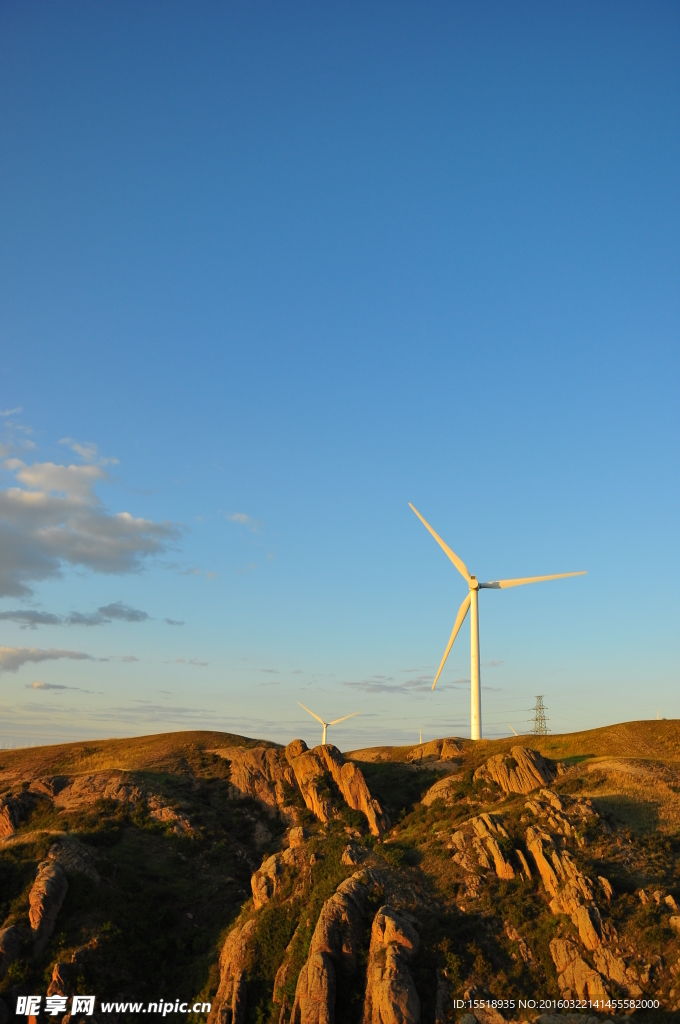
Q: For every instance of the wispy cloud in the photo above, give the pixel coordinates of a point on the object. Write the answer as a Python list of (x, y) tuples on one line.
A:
[(39, 685), (493, 664), (88, 451), (52, 517), (11, 412), (12, 658), (191, 661), (174, 622), (386, 684), (251, 567), (255, 525), (30, 619)]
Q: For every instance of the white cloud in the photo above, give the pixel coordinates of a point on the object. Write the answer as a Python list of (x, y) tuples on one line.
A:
[(56, 519), (12, 658), (10, 412)]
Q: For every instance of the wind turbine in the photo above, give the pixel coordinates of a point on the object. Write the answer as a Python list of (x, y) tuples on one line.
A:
[(326, 724), (470, 602)]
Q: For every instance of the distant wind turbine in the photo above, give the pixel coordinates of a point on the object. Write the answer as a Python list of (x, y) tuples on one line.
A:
[(326, 724), (471, 602)]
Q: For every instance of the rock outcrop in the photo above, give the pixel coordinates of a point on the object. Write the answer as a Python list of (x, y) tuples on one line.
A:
[(85, 790), (333, 950), (310, 768), (45, 900), (14, 808), (262, 773), (520, 771), (614, 968), (265, 880), (391, 996), (229, 1006), (475, 840), (436, 750), (575, 978)]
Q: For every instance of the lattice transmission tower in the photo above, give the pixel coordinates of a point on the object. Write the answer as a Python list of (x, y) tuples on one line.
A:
[(540, 721)]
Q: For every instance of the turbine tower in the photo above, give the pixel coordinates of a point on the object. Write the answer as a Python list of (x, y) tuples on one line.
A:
[(326, 724), (470, 604)]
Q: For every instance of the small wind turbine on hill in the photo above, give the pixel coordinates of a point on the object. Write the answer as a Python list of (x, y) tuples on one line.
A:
[(326, 724), (470, 602)]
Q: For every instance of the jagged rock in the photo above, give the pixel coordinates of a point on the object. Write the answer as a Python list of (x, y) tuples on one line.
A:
[(535, 848), (606, 885), (674, 922), (444, 789), (523, 864), (11, 941), (72, 856), (435, 750), (614, 968), (229, 1006), (333, 948), (391, 996), (503, 868), (521, 771), (309, 774), (573, 973), (310, 767), (45, 899), (262, 773)]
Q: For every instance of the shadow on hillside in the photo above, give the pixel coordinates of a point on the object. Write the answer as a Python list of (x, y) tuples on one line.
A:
[(627, 811)]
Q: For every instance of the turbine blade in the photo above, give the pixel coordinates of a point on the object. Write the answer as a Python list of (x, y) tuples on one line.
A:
[(460, 618), (458, 562), (312, 714), (504, 584), (353, 715)]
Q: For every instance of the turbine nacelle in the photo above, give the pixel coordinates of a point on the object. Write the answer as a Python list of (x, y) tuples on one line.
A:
[(471, 601), (327, 724)]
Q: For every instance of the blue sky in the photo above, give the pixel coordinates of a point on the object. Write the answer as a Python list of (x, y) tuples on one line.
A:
[(270, 272)]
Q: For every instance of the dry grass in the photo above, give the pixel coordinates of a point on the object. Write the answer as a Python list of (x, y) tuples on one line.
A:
[(164, 752)]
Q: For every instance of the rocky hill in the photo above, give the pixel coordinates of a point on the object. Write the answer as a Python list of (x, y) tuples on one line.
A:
[(384, 886)]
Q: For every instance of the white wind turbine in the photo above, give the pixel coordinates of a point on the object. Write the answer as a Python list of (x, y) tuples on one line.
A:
[(471, 602), (326, 724)]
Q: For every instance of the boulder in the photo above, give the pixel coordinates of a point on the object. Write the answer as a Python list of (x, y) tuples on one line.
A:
[(229, 1006), (574, 976), (520, 771), (444, 789), (391, 996), (45, 900)]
